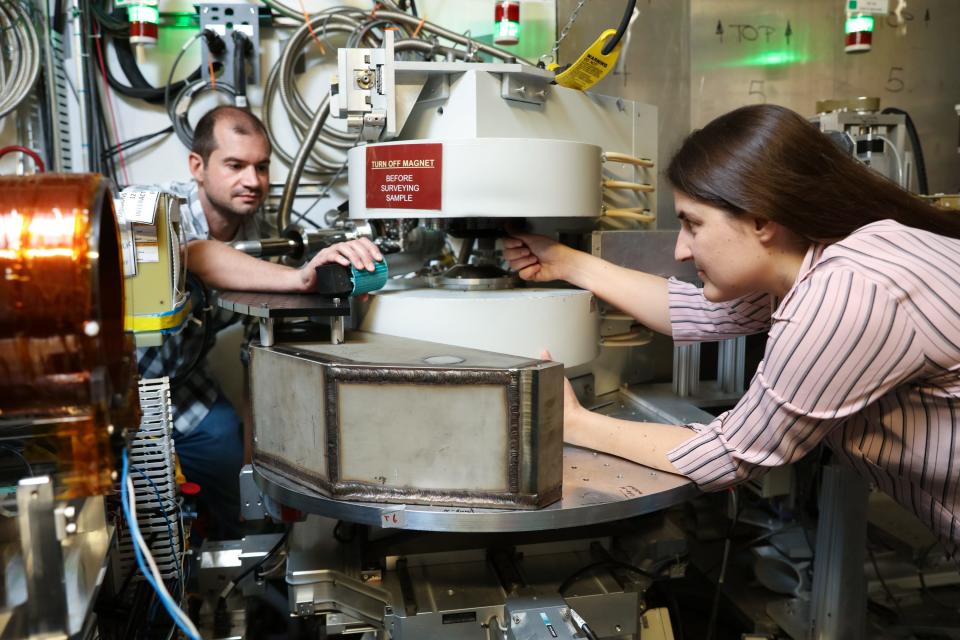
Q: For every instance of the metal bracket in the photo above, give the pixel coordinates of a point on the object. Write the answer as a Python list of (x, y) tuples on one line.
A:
[(266, 332), (251, 502), (223, 19), (524, 88), (47, 611), (337, 326)]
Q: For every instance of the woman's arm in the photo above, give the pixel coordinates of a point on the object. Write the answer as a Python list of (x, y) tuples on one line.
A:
[(646, 443), (838, 344), (671, 307), (643, 296)]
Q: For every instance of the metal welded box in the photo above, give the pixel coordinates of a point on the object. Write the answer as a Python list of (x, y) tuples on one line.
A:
[(387, 419)]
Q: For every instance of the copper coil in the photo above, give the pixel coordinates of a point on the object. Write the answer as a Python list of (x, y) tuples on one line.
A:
[(64, 357)]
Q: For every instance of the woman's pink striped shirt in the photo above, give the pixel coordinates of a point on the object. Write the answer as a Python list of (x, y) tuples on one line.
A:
[(863, 352)]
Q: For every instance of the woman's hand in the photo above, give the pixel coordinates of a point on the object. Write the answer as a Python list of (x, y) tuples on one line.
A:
[(572, 409), (538, 258), (572, 413)]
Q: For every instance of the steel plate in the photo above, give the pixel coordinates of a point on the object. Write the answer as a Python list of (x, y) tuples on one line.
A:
[(596, 488)]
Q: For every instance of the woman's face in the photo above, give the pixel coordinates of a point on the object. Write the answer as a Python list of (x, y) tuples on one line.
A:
[(726, 249)]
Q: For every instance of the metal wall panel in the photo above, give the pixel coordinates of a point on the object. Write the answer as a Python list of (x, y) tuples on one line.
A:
[(679, 62), (912, 67)]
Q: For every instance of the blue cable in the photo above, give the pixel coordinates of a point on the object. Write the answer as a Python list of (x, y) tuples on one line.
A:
[(168, 604), (166, 518)]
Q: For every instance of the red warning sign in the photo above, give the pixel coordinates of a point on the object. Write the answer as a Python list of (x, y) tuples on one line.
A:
[(404, 176)]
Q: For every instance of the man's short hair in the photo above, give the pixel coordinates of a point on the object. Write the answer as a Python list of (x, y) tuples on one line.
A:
[(241, 122)]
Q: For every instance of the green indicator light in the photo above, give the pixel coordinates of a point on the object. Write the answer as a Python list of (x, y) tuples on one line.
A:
[(507, 29), (143, 13), (774, 59), (858, 24), (180, 19)]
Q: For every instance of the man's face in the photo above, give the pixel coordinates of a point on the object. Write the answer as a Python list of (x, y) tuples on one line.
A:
[(236, 177)]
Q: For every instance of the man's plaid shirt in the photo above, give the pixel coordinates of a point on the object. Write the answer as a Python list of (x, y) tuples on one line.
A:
[(194, 395)]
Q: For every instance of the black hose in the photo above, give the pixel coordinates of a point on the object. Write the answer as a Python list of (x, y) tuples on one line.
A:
[(241, 48), (252, 569), (114, 23), (917, 149), (609, 563), (139, 87), (622, 29)]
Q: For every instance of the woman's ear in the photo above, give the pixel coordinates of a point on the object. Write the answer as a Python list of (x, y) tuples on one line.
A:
[(766, 230)]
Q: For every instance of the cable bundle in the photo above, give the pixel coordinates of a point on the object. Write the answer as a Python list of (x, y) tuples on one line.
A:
[(19, 71)]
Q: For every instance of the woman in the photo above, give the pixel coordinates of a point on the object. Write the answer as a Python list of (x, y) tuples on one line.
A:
[(858, 284)]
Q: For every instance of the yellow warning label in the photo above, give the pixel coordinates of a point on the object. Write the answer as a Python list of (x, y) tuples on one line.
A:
[(592, 65)]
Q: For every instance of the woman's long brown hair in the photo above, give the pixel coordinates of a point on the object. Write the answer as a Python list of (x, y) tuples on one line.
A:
[(768, 161)]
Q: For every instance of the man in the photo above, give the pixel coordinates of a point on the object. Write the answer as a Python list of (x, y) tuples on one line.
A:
[(229, 161)]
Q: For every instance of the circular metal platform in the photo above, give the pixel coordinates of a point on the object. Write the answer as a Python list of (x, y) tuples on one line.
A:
[(596, 488)]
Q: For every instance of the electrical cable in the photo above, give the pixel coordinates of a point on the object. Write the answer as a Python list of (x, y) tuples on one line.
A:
[(242, 48), (326, 190), (109, 101), (92, 109), (139, 88), (230, 586), (142, 553), (129, 144), (166, 517), (621, 29), (37, 160), (896, 154), (167, 90), (16, 453), (110, 23), (579, 573), (178, 109), (921, 165), (24, 56), (883, 583), (715, 605)]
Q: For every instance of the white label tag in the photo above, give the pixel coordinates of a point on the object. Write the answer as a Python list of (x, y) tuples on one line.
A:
[(145, 240), (870, 6), (393, 518), (140, 206), (128, 247)]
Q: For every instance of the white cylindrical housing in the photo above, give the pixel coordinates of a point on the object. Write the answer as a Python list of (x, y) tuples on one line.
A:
[(475, 178), (520, 322)]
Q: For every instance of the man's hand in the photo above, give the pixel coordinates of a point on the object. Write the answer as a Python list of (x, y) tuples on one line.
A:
[(538, 258), (361, 253)]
